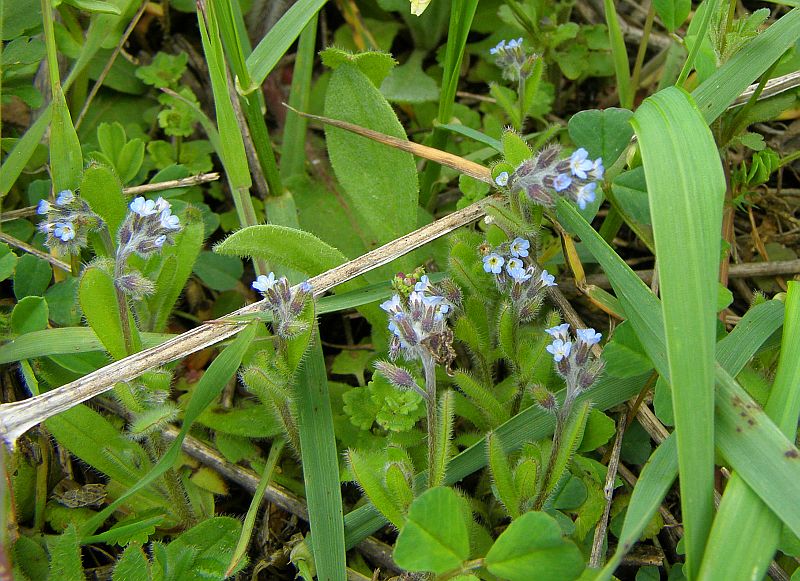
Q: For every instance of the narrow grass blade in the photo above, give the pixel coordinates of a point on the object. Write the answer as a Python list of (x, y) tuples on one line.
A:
[(278, 40), (232, 150), (729, 551), (686, 186), (619, 53), (321, 466), (63, 341), (252, 512), (721, 89), (760, 452), (733, 353), (710, 9), (293, 152), (208, 388)]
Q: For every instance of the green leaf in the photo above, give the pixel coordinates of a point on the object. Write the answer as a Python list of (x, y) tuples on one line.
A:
[(277, 41), (30, 314), (30, 557), (96, 6), (62, 300), (435, 537), (32, 276), (99, 305), (8, 261), (125, 156), (630, 191), (603, 133), (599, 429), (681, 162), (218, 272), (133, 565), (502, 477), (532, 547), (375, 65), (367, 468), (65, 556), (718, 91), (408, 83), (672, 12), (69, 340), (380, 183), (66, 159), (207, 389), (624, 355), (101, 188), (214, 541), (289, 247)]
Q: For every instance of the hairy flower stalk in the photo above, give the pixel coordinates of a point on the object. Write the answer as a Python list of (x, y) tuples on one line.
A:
[(517, 67), (579, 369), (420, 332)]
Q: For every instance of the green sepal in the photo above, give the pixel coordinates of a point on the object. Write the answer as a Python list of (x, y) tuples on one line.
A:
[(365, 469), (444, 434), (502, 477), (515, 150)]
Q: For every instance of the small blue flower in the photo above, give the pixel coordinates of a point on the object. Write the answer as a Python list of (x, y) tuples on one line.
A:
[(579, 164), (559, 331), (264, 282), (502, 179), (423, 284), (501, 46), (64, 231), (43, 207), (169, 220), (514, 43), (493, 263), (598, 171), (559, 349), (143, 207), (588, 336), (159, 241), (519, 247), (513, 264), (305, 287), (392, 305), (561, 182), (64, 197), (548, 280), (586, 194), (519, 275)]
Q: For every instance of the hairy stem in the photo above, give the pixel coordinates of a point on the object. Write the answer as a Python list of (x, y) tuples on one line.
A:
[(431, 406)]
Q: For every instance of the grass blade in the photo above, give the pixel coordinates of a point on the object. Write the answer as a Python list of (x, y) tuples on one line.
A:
[(321, 466), (729, 551), (686, 187), (620, 55), (278, 40)]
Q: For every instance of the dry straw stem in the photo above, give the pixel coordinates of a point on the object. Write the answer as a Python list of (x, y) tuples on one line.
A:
[(18, 417), (35, 251)]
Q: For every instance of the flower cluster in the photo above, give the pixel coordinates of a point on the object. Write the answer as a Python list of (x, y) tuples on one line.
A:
[(509, 264), (147, 227), (285, 302), (67, 222), (573, 358), (419, 324), (512, 59), (545, 175)]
